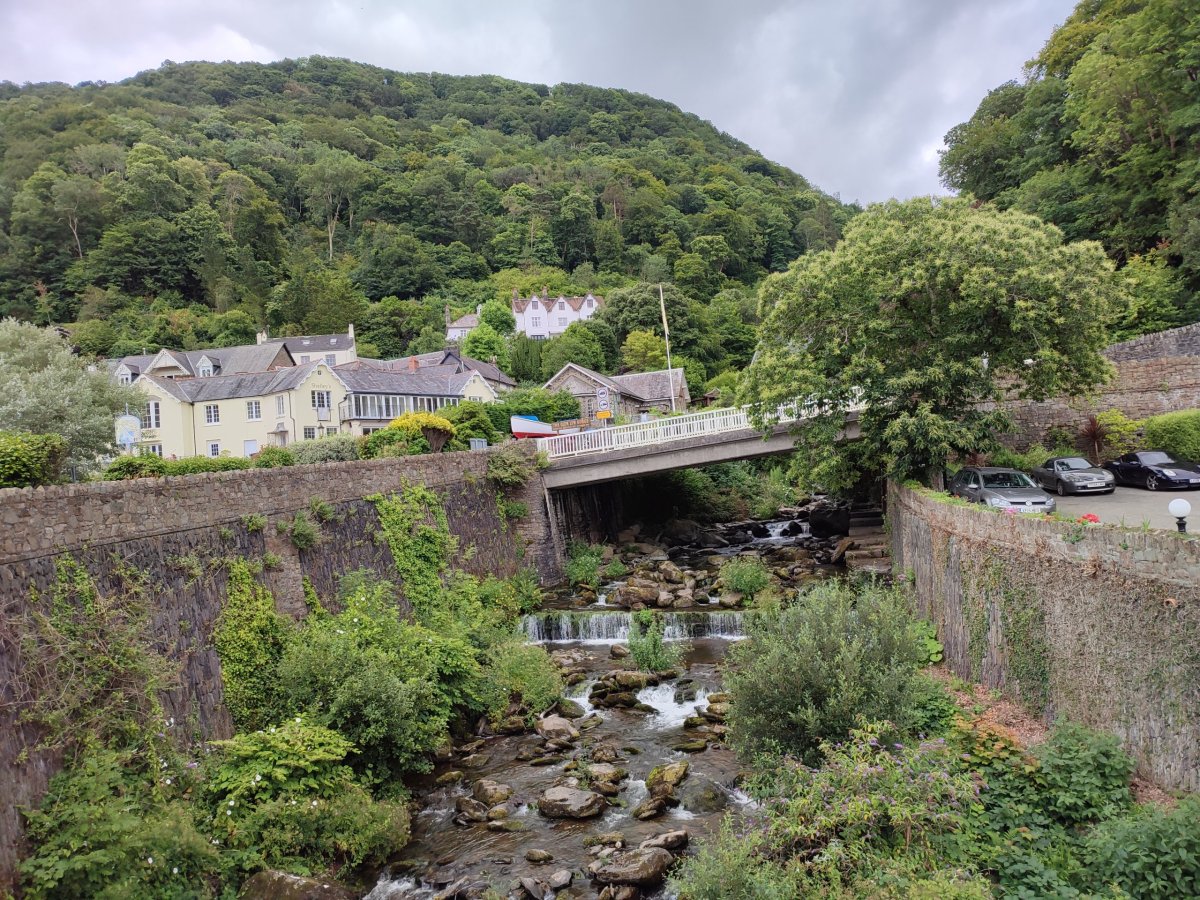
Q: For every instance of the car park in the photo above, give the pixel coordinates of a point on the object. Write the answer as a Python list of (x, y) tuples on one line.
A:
[(1155, 470), (1073, 475), (1001, 489)]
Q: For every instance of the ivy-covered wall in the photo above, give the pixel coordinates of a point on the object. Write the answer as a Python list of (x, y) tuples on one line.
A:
[(297, 529), (1094, 624)]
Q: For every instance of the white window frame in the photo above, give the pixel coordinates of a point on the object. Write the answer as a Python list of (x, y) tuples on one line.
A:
[(153, 416), (153, 450), (562, 320), (331, 359), (214, 445), (330, 430), (310, 432), (205, 371), (322, 399), (562, 304), (212, 414), (280, 405), (533, 305), (536, 322), (253, 411)]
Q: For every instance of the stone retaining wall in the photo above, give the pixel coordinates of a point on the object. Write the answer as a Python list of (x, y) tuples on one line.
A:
[(1099, 625), (176, 528)]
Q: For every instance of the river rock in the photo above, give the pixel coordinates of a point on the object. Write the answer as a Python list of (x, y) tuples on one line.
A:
[(468, 809), (730, 599), (605, 753), (720, 697), (490, 792), (569, 709), (663, 780), (686, 690), (665, 599), (538, 890), (702, 795), (715, 712), (452, 777), (618, 651), (570, 803), (274, 885), (511, 725), (498, 812), (560, 879), (668, 840), (694, 745), (635, 591), (671, 572), (650, 808), (840, 550), (633, 681), (557, 728), (685, 599), (539, 857), (639, 868), (505, 825), (826, 520), (605, 839)]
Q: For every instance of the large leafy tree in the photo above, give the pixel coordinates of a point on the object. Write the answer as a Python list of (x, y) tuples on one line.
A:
[(576, 345), (45, 389), (928, 312)]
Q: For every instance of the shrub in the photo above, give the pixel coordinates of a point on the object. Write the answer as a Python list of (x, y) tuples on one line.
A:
[(193, 465), (512, 510), (1030, 459), (809, 671), (734, 866), (1083, 775), (392, 442), (614, 570), (254, 522), (470, 420), (126, 467), (1176, 432), (303, 532), (1152, 853), (510, 466), (1121, 434), (925, 633), (537, 401), (437, 430), (520, 678), (646, 644), (774, 491), (320, 510), (746, 575), (273, 458), (27, 460), (583, 565), (334, 448)]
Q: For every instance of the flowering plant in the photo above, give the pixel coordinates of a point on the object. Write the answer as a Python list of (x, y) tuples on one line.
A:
[(1088, 519)]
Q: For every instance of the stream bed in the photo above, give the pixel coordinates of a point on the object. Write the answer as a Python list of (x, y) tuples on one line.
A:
[(625, 727)]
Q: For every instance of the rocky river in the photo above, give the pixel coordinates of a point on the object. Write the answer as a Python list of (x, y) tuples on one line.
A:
[(631, 768)]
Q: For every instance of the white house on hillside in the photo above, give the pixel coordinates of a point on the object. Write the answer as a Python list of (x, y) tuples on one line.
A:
[(542, 317)]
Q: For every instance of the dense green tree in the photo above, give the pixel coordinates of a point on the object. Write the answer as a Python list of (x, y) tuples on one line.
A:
[(486, 343), (525, 358), (499, 316), (925, 310), (644, 351), (392, 324), (575, 345)]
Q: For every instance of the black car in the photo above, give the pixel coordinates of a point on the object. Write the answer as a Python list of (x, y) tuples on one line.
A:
[(1073, 475), (1155, 470)]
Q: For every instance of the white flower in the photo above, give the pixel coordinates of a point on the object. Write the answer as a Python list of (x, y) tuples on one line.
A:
[(297, 718), (231, 803), (174, 870), (229, 812), (314, 803), (257, 778), (293, 803), (150, 859), (168, 781), (164, 765)]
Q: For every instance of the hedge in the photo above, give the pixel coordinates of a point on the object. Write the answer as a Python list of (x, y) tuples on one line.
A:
[(150, 466), (27, 460), (1177, 432)]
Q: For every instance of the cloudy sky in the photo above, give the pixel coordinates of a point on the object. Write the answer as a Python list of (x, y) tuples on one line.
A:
[(854, 94)]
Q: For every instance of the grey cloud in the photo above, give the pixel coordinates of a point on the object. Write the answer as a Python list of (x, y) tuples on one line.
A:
[(855, 95)]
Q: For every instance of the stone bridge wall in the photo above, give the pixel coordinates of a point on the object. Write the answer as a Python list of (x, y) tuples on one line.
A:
[(176, 528), (1099, 625)]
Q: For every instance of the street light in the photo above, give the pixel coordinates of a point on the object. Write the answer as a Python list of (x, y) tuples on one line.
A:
[(1180, 509)]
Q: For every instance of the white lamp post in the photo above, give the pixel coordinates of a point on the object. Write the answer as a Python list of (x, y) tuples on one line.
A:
[(1180, 509)]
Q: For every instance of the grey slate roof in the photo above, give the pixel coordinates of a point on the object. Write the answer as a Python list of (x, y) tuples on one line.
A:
[(231, 387), (365, 378), (454, 362), (312, 343), (226, 360), (645, 386)]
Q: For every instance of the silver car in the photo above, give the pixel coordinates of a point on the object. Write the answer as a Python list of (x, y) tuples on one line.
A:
[(1001, 489), (1073, 475)]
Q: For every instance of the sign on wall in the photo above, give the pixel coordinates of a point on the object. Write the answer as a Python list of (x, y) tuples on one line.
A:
[(129, 430)]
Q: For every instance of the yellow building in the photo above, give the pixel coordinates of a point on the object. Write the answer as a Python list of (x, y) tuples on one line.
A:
[(238, 415)]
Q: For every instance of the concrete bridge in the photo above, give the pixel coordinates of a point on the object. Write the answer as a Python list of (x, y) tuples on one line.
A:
[(677, 442)]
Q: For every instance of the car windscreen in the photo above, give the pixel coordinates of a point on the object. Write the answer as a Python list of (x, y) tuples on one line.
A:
[(1007, 480), (1075, 462), (1155, 458)]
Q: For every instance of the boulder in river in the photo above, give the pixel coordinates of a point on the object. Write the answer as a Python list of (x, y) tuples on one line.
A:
[(557, 728), (702, 795), (539, 857), (668, 840), (275, 885), (826, 520), (569, 709), (662, 780), (560, 879), (618, 651), (570, 803), (491, 792), (639, 868), (468, 809)]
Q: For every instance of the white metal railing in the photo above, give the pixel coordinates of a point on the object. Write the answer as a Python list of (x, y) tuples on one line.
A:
[(660, 431)]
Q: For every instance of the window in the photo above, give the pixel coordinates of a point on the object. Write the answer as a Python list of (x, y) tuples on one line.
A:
[(214, 448), (125, 378), (205, 370), (309, 432), (562, 320), (153, 450), (330, 359), (152, 417), (329, 431), (322, 399), (533, 305), (562, 305), (253, 410), (279, 407), (212, 414), (304, 357), (589, 302), (535, 322)]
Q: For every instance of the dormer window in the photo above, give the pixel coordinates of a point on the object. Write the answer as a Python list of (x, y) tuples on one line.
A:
[(205, 368), (534, 304), (562, 304), (589, 302)]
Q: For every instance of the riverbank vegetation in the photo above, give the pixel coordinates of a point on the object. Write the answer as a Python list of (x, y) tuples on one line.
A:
[(872, 782), (332, 715)]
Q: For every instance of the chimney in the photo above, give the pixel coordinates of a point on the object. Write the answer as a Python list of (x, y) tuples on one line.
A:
[(350, 332), (545, 291), (413, 365), (260, 336), (478, 308)]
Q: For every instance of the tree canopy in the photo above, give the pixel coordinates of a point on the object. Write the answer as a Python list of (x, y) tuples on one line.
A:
[(925, 313)]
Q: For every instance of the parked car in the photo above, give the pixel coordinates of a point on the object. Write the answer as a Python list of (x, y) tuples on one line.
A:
[(1002, 489), (1073, 475), (1155, 470)]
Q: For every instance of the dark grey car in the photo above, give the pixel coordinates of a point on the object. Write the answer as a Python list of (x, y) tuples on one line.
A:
[(1001, 489), (1073, 475)]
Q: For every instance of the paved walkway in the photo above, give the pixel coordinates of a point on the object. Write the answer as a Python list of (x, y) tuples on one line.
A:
[(1134, 506)]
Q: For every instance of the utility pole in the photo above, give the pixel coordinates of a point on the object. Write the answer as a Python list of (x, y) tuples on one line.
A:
[(662, 305)]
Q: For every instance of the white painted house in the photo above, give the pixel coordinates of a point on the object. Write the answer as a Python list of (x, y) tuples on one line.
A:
[(542, 317)]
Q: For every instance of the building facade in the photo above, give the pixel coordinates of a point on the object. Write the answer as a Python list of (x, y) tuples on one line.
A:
[(542, 317), (629, 396), (331, 349), (374, 395)]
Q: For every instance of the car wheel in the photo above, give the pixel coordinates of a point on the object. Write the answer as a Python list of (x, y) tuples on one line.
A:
[(1062, 488), (1151, 482)]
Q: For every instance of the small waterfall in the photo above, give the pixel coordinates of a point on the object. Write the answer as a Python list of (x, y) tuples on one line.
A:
[(775, 529), (613, 627), (670, 713)]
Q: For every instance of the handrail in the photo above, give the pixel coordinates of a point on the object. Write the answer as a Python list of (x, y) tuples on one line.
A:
[(673, 428)]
